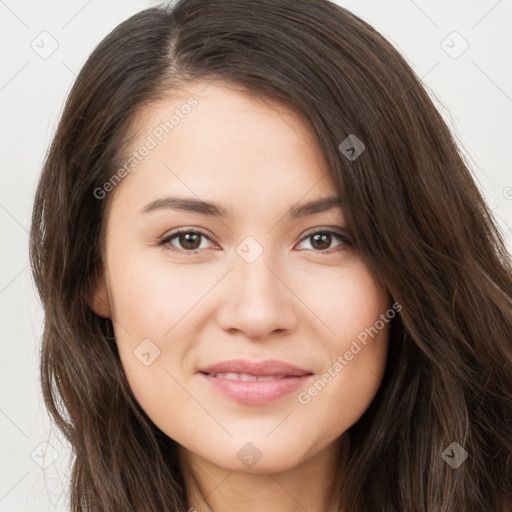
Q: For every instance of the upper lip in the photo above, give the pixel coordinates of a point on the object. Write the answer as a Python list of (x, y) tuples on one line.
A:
[(268, 367)]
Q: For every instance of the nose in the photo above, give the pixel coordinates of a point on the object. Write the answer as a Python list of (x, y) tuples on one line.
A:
[(259, 303)]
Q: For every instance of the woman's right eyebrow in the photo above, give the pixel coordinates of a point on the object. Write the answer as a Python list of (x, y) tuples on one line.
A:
[(210, 208), (188, 204)]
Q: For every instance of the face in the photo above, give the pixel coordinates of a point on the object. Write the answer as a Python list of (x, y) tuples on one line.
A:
[(259, 324)]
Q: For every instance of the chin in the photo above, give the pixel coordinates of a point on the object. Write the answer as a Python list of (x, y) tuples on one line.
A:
[(257, 457)]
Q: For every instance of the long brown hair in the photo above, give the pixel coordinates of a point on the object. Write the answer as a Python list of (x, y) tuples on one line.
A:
[(419, 222)]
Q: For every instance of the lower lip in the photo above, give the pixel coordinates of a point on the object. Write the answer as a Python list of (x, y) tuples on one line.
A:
[(256, 392)]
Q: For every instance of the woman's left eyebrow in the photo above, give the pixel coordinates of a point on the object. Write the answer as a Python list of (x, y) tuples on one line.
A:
[(211, 208)]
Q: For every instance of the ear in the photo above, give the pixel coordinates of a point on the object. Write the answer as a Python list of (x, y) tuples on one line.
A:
[(99, 300)]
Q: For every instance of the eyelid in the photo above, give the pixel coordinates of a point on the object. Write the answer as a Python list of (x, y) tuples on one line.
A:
[(327, 229)]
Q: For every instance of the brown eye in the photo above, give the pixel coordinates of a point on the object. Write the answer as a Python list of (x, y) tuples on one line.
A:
[(187, 241), (190, 241), (321, 241)]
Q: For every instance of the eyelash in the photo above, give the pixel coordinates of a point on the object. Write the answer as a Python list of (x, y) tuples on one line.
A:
[(166, 239)]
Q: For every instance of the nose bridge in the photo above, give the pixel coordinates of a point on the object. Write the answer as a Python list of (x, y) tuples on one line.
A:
[(252, 273)]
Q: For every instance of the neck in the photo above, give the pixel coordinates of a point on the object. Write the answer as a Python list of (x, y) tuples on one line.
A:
[(311, 485)]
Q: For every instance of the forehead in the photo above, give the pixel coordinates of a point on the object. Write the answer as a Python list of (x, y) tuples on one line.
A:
[(208, 137)]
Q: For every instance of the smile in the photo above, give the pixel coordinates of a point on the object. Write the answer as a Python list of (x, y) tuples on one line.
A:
[(254, 383)]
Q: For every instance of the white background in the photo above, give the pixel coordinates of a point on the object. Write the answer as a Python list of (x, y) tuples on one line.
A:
[(473, 92)]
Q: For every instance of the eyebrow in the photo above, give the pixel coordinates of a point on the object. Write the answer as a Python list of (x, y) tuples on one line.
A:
[(216, 210)]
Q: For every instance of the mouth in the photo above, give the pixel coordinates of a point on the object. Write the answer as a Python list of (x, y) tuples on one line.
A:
[(245, 377), (255, 383)]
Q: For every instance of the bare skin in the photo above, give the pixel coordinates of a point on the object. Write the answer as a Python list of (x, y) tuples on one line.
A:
[(298, 301)]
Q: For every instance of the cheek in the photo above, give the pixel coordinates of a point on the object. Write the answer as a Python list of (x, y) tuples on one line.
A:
[(347, 302), (152, 307), (151, 298), (352, 308), (147, 304), (362, 327)]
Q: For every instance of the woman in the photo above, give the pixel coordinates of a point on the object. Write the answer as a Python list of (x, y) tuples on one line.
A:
[(210, 348)]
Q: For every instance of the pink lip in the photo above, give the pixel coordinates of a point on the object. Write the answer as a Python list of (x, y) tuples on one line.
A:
[(256, 392)]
